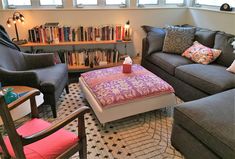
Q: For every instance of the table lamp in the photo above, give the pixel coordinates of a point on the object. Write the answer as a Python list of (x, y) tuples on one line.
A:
[(127, 31), (17, 17)]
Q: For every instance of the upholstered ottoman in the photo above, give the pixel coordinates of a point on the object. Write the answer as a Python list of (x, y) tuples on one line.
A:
[(114, 95)]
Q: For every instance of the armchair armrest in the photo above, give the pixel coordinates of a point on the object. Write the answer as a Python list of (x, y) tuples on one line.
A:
[(52, 129), (25, 78), (34, 61)]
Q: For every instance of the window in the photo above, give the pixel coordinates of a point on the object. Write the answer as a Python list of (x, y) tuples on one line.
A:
[(174, 1), (86, 2), (115, 2), (18, 3), (51, 2), (144, 2), (215, 2)]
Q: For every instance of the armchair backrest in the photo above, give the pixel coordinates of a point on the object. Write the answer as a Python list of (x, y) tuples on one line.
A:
[(11, 59)]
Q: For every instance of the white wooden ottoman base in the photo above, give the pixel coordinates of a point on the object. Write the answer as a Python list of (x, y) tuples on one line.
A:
[(128, 109)]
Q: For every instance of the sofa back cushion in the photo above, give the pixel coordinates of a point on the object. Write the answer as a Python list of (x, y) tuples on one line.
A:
[(205, 36), (223, 42), (156, 40), (11, 59)]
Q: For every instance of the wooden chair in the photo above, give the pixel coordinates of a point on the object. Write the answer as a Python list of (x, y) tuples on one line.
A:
[(37, 138)]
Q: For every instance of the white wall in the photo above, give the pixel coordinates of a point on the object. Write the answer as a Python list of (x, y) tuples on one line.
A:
[(71, 17), (154, 17), (216, 20)]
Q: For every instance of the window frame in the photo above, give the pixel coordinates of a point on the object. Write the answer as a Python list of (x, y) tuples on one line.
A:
[(115, 4), (147, 5), (85, 5), (184, 3), (45, 6), (195, 4), (16, 6)]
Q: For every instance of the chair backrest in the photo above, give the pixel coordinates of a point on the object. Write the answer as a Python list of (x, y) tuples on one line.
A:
[(11, 59), (14, 137)]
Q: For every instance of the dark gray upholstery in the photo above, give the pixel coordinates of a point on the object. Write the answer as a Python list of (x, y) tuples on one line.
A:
[(211, 121), (38, 71), (187, 86), (205, 37), (223, 42), (168, 62), (156, 40), (208, 78)]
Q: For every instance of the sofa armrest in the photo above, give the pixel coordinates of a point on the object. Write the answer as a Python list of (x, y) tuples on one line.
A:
[(145, 47), (25, 78), (34, 61)]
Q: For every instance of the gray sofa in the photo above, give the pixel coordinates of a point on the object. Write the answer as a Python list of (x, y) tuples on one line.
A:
[(205, 128), (190, 80)]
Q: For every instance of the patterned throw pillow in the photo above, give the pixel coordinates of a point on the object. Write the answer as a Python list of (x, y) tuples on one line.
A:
[(201, 54), (232, 67), (178, 39)]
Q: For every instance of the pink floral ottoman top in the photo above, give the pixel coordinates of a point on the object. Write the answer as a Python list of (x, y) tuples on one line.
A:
[(112, 87)]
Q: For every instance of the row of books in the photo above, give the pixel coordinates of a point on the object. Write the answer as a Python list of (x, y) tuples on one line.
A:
[(56, 34), (94, 57)]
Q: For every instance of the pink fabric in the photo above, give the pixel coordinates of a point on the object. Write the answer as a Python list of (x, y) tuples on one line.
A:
[(201, 54), (112, 87), (47, 148)]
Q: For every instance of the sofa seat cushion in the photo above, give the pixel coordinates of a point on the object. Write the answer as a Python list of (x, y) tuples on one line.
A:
[(208, 78), (168, 62), (51, 77), (210, 120)]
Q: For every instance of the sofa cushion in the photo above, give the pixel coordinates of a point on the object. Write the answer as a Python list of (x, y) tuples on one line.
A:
[(210, 120), (223, 42), (201, 54), (205, 37), (168, 62), (51, 77), (208, 78), (178, 39), (155, 40)]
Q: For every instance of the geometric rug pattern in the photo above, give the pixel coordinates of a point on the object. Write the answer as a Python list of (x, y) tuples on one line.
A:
[(143, 136)]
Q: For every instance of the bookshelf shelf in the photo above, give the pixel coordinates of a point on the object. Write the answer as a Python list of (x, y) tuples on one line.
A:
[(31, 44), (81, 68)]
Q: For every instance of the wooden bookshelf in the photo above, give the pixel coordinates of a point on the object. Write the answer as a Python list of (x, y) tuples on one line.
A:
[(73, 43), (82, 68)]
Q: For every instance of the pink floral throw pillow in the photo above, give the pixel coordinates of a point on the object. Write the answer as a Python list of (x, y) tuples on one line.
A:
[(201, 54)]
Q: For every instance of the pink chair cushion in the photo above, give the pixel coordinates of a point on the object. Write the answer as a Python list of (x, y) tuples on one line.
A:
[(47, 148)]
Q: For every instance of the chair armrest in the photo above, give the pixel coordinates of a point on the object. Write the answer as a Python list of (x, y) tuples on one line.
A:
[(34, 61), (55, 127), (29, 95), (25, 78)]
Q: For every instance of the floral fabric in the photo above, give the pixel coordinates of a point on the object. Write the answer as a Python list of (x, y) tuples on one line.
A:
[(112, 87), (201, 54)]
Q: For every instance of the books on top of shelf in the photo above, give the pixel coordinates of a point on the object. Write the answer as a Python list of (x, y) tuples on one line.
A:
[(56, 33)]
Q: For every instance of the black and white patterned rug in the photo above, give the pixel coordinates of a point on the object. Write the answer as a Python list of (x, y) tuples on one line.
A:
[(144, 136)]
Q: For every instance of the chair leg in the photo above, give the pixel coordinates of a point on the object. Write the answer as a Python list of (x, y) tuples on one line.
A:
[(53, 109), (67, 89), (83, 149)]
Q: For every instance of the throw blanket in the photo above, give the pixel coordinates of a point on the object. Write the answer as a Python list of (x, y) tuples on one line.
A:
[(112, 87)]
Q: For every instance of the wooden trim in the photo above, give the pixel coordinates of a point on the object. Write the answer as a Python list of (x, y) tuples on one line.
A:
[(52, 129), (30, 44)]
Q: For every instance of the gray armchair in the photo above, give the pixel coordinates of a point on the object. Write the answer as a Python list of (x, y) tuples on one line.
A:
[(34, 70)]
